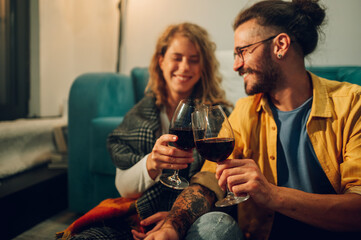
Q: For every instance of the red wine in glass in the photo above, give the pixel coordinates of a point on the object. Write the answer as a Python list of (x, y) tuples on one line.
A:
[(215, 149), (185, 137), (180, 125), (215, 141)]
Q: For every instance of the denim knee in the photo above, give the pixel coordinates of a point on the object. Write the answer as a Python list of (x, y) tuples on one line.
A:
[(215, 225)]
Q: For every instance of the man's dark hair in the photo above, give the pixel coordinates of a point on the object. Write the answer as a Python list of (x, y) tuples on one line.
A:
[(300, 19)]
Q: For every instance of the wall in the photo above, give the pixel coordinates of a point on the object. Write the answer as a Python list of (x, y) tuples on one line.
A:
[(340, 44), (81, 36), (69, 38), (147, 19)]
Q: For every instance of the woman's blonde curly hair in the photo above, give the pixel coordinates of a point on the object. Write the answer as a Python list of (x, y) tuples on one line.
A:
[(208, 90)]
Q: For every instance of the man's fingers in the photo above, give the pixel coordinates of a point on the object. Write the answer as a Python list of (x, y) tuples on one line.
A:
[(232, 163)]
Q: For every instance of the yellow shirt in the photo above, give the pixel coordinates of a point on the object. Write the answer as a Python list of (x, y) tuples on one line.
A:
[(334, 129)]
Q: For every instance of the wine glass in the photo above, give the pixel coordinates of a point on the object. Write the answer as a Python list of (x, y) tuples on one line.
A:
[(214, 140), (180, 125)]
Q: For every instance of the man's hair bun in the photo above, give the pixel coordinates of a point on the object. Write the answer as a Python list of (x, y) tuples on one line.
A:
[(311, 10)]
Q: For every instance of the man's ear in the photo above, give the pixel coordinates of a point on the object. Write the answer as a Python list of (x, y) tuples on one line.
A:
[(282, 44)]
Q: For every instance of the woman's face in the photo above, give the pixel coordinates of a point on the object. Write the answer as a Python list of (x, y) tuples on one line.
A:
[(181, 67)]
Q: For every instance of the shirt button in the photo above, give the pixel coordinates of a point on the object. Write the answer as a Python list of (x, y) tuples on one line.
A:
[(272, 158), (273, 128)]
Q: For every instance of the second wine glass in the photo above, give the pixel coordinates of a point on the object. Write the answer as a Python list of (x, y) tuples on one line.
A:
[(180, 125), (214, 141)]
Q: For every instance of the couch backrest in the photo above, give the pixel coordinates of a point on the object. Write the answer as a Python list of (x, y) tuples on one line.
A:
[(234, 86), (140, 77), (350, 74)]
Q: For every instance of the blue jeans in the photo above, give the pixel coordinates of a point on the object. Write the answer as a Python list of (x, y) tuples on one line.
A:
[(215, 225)]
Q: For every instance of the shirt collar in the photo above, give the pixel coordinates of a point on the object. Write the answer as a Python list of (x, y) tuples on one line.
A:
[(321, 106)]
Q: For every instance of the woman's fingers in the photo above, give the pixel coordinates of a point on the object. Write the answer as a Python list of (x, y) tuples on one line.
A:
[(165, 139), (154, 218), (157, 218), (138, 235), (168, 157)]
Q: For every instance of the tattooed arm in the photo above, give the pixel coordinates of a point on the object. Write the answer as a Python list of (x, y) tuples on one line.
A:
[(192, 203)]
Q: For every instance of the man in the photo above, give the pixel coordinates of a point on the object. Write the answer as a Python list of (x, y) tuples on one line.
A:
[(298, 140)]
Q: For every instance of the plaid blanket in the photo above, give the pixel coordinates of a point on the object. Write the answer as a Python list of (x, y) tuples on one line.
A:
[(108, 209), (115, 217)]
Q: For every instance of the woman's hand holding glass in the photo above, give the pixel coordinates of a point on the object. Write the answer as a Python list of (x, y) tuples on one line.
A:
[(181, 126), (167, 157)]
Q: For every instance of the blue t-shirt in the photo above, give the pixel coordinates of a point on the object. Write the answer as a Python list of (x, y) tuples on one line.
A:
[(297, 163), (298, 168)]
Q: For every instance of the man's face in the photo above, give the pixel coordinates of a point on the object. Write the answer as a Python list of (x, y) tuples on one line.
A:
[(259, 71)]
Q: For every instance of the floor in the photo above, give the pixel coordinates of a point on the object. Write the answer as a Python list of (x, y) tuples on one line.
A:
[(47, 229), (44, 212)]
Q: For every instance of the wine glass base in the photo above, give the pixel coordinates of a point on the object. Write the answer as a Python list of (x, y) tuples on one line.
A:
[(230, 200), (176, 183)]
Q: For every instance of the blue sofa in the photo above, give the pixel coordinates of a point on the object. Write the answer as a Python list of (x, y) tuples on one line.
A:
[(97, 104)]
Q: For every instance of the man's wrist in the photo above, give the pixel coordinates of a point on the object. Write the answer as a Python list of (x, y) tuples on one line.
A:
[(173, 229)]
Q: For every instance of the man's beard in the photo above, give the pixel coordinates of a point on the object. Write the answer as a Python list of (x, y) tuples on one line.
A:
[(267, 74)]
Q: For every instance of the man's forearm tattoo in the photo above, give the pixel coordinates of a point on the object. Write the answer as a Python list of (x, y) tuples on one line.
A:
[(192, 203)]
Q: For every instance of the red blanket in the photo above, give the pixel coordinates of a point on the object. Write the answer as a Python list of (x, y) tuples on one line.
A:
[(107, 209)]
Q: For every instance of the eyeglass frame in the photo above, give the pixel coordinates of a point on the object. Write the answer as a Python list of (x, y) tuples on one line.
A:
[(239, 49)]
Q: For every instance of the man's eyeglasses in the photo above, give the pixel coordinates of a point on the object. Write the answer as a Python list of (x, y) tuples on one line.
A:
[(241, 50)]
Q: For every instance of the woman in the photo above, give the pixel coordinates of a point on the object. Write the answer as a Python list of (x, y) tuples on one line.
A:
[(183, 66)]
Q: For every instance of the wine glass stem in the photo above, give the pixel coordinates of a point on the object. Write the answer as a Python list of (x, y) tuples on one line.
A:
[(229, 194), (175, 177)]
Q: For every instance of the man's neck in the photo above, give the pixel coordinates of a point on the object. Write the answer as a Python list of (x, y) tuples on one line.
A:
[(296, 88)]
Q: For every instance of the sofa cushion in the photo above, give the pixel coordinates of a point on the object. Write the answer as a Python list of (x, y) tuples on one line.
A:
[(99, 158)]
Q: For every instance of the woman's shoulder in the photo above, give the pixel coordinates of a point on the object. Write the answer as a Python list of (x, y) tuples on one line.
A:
[(145, 105), (144, 113)]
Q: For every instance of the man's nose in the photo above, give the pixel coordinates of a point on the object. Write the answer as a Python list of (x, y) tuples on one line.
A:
[(238, 63)]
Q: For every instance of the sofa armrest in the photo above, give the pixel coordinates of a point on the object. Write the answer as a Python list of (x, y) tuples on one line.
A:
[(91, 95)]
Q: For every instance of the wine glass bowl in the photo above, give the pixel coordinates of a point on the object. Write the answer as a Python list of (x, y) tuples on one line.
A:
[(215, 149), (214, 140), (185, 137), (180, 125)]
